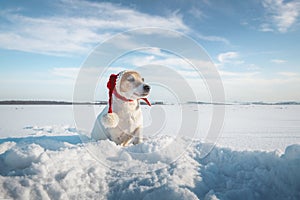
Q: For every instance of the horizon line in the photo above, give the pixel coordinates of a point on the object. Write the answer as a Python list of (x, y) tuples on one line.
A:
[(154, 102)]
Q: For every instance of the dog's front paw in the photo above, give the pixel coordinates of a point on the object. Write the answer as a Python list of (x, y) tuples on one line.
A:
[(110, 120)]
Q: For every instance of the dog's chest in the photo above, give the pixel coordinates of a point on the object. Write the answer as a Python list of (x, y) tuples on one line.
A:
[(130, 116)]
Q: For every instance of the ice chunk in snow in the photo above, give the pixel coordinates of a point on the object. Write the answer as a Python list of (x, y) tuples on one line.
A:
[(22, 157), (292, 152)]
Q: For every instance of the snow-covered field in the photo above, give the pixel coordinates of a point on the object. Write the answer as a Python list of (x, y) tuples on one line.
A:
[(257, 156)]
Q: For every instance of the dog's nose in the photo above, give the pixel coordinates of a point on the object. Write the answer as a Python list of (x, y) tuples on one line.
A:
[(146, 88)]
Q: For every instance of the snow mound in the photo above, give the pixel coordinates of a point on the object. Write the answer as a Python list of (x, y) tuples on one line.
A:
[(64, 167), (170, 193), (22, 157), (6, 145)]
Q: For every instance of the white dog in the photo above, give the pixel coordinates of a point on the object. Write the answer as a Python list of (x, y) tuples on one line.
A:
[(122, 121)]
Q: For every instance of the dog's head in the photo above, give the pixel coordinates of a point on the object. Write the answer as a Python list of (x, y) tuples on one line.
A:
[(131, 85)]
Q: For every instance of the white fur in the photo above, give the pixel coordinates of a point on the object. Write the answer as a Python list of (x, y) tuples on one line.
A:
[(130, 123)]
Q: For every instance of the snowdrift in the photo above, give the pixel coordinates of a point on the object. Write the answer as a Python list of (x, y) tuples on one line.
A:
[(72, 167)]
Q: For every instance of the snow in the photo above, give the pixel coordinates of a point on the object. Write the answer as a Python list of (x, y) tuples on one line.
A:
[(29, 170), (51, 159)]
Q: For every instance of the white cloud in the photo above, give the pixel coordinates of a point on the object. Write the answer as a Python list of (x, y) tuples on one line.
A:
[(253, 67), (228, 74), (197, 13), (155, 51), (77, 26), (156, 57), (288, 74), (226, 57), (283, 14), (65, 72), (83, 26), (259, 88), (266, 28), (232, 58), (278, 61), (152, 60), (212, 38)]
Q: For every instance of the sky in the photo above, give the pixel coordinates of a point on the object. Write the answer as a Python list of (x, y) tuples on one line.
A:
[(253, 44)]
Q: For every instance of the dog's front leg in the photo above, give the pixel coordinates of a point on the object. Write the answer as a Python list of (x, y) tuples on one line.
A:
[(138, 136), (125, 139)]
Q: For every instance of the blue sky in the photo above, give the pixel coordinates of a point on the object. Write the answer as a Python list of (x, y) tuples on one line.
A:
[(254, 44)]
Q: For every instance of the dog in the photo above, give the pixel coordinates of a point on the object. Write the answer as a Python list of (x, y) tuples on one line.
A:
[(121, 120)]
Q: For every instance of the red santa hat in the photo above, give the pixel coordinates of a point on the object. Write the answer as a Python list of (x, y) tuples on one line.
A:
[(111, 84), (111, 119)]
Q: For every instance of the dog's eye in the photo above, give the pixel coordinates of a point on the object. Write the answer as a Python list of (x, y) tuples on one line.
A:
[(130, 79), (143, 79)]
